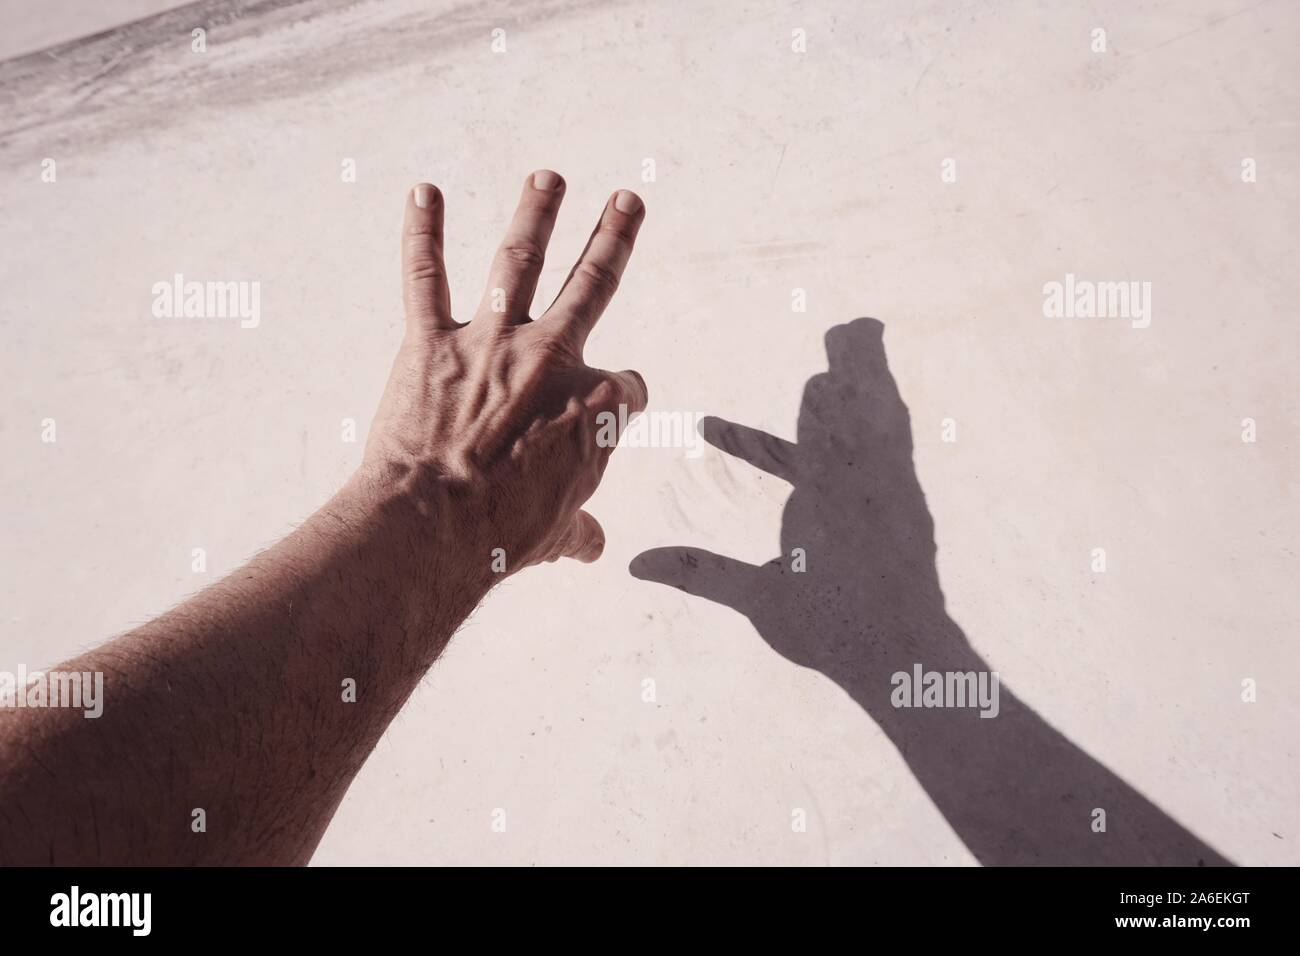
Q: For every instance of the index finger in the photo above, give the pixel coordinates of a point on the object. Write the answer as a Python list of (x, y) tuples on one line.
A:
[(595, 277)]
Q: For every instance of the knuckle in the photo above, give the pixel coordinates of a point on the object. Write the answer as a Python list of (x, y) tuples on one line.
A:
[(425, 268), (523, 252), (622, 230), (555, 349), (599, 275)]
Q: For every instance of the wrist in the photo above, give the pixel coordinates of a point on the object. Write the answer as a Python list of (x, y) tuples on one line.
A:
[(412, 533)]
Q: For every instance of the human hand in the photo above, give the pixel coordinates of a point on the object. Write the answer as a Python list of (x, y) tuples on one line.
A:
[(490, 425)]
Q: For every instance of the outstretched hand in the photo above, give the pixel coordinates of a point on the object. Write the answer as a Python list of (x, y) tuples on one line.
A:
[(491, 423)]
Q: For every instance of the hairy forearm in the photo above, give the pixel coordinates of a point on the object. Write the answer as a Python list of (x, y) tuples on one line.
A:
[(233, 725), (256, 702)]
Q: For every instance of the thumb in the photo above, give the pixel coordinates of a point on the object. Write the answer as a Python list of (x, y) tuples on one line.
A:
[(583, 540), (718, 578)]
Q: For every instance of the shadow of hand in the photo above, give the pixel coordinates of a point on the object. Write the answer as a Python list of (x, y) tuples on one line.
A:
[(855, 595)]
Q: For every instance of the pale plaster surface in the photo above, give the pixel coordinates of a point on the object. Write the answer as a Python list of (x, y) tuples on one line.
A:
[(775, 171)]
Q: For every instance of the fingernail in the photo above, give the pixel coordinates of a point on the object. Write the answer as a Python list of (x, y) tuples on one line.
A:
[(546, 180), (424, 195), (627, 202)]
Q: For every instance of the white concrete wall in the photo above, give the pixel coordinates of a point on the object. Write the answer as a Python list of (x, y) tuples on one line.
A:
[(776, 170)]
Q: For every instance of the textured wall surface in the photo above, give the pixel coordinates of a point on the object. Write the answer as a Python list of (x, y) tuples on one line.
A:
[(774, 170)]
